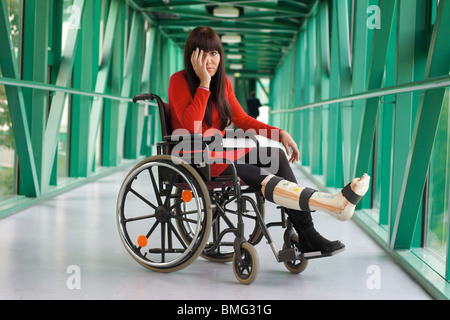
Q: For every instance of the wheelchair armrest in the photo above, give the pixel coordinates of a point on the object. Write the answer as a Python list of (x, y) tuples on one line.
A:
[(194, 138), (178, 137)]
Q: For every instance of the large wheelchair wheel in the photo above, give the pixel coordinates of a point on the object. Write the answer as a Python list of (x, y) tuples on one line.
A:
[(147, 219)]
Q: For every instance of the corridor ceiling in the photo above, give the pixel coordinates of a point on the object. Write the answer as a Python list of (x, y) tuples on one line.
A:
[(266, 28)]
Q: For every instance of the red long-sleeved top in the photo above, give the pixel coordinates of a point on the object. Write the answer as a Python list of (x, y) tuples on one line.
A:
[(188, 113)]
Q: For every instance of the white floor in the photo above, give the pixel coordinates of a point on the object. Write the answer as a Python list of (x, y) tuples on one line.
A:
[(68, 248)]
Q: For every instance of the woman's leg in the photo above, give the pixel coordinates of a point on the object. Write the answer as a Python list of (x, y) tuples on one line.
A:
[(260, 163), (290, 195)]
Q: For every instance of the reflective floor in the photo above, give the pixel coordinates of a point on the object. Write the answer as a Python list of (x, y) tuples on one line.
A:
[(68, 247)]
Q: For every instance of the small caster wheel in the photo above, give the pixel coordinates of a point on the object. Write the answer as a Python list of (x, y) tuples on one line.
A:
[(296, 266), (247, 271)]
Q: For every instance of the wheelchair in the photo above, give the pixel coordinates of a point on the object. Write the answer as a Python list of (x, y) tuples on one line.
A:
[(170, 211)]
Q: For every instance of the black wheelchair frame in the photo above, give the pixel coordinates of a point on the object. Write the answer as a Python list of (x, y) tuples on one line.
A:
[(170, 210)]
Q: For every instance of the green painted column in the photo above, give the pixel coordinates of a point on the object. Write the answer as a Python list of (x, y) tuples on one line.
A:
[(35, 68), (135, 112), (95, 116), (85, 65), (375, 78), (403, 107)]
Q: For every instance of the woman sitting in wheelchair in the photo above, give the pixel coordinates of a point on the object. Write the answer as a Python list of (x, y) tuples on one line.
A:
[(201, 97)]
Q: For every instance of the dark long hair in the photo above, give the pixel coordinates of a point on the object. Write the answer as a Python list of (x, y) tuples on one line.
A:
[(207, 39)]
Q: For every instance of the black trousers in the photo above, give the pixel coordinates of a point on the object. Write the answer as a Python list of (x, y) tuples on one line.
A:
[(256, 165)]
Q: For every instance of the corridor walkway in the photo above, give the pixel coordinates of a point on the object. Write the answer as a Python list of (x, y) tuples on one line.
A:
[(43, 247)]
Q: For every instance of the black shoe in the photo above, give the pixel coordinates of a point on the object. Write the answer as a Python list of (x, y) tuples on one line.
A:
[(309, 239), (314, 242)]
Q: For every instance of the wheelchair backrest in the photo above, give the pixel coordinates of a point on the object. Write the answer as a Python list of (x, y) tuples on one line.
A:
[(164, 117)]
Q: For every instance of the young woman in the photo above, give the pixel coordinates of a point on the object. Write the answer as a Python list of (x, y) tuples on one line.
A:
[(201, 97)]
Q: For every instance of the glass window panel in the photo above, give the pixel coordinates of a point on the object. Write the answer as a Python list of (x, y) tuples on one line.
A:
[(98, 149), (438, 198), (68, 20), (7, 142), (63, 143), (7, 150), (14, 20)]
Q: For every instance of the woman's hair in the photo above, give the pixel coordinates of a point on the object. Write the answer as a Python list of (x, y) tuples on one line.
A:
[(206, 39)]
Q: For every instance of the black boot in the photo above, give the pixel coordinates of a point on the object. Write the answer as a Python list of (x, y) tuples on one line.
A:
[(309, 239)]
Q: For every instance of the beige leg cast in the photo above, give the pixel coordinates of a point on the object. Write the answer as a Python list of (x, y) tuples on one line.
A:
[(290, 195)]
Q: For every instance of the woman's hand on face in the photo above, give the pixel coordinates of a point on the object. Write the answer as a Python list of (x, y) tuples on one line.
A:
[(289, 143), (198, 60)]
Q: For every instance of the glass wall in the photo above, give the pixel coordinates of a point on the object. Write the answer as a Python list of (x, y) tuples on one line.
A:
[(377, 134), (437, 217), (7, 143), (70, 19), (106, 34), (7, 149), (64, 143)]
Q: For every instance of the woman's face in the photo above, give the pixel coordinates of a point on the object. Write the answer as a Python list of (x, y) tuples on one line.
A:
[(212, 61)]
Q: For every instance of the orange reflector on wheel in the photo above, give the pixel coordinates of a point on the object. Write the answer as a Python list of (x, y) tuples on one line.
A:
[(186, 195), (142, 241)]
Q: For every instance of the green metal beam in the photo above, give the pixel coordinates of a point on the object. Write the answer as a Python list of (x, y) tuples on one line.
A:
[(35, 66), (54, 88), (376, 74), (424, 133), (130, 85), (145, 87), (201, 14), (359, 73), (236, 27), (345, 81), (149, 5), (323, 81), (16, 105), (334, 165), (58, 101), (403, 107), (112, 131), (416, 86), (102, 78), (86, 66)]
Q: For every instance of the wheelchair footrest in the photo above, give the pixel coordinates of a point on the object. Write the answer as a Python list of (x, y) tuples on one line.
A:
[(292, 254), (320, 254)]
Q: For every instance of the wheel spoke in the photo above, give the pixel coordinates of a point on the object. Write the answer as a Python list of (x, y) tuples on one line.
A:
[(185, 219), (163, 242), (177, 202), (137, 194), (152, 229), (138, 218), (169, 189), (155, 187), (175, 232)]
